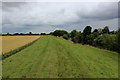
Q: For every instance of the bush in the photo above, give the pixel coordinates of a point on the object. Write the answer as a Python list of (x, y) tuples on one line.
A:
[(78, 37), (91, 37), (66, 36), (73, 34), (107, 41)]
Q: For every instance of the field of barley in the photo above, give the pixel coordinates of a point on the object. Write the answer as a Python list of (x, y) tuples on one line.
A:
[(10, 43), (54, 57)]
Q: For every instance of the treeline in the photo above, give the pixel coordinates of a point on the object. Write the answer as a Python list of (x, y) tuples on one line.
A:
[(102, 38), (30, 33)]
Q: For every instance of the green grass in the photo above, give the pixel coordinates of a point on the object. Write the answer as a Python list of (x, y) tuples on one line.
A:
[(53, 57)]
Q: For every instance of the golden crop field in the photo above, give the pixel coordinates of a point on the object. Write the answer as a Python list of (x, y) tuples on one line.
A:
[(13, 42)]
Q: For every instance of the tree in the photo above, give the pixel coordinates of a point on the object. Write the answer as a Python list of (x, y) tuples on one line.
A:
[(107, 41), (59, 32), (95, 30), (105, 30), (100, 30), (21, 34), (78, 37), (73, 34), (8, 33), (87, 30), (66, 36), (112, 32), (51, 33), (30, 33), (16, 33), (43, 33), (90, 38)]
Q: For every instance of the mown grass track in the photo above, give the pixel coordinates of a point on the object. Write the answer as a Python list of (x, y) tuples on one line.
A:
[(53, 57)]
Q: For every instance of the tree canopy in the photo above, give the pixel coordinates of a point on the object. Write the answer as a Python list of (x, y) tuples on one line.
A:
[(87, 30), (59, 32)]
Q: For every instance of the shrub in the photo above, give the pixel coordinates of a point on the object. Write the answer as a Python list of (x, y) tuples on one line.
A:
[(66, 36), (107, 41), (91, 37)]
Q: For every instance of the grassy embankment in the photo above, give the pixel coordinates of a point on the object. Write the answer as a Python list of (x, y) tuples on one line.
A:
[(53, 57)]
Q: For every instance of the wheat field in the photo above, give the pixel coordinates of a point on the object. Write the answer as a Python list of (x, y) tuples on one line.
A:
[(12, 42)]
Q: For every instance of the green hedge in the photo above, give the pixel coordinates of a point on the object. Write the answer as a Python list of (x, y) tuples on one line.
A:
[(107, 41)]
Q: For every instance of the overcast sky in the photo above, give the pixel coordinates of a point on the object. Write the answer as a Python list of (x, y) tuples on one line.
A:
[(49, 16)]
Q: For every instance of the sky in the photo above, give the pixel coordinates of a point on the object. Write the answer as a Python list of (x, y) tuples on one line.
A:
[(46, 17)]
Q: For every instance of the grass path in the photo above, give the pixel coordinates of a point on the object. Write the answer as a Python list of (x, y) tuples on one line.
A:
[(52, 57)]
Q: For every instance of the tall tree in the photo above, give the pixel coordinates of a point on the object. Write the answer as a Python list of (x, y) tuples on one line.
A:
[(30, 33), (105, 30), (73, 33), (87, 30)]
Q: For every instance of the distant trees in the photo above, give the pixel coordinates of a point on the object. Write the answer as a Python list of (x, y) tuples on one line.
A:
[(102, 38), (8, 33), (30, 33), (23, 34), (16, 33), (43, 34)]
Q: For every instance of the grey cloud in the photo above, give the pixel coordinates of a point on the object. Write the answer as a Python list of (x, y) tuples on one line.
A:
[(16, 29), (119, 9), (45, 17), (8, 6), (104, 11), (6, 21)]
